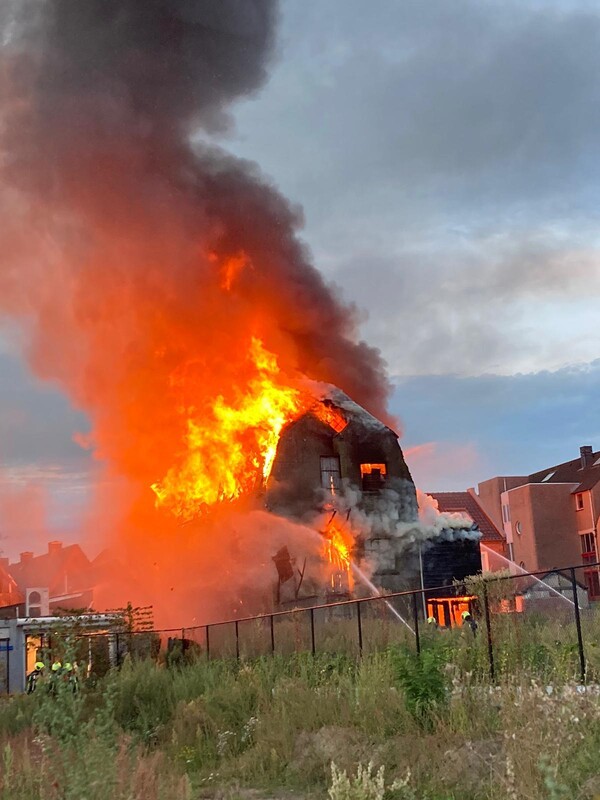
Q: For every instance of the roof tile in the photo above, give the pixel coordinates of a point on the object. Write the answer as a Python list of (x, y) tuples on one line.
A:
[(571, 472)]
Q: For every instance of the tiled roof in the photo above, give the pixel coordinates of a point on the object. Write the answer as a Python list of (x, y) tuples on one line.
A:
[(65, 570), (464, 502), (571, 472)]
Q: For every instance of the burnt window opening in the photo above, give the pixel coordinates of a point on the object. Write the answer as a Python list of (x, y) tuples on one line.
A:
[(373, 477), (579, 501), (331, 475)]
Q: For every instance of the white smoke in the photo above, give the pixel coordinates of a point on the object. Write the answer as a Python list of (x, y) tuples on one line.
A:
[(387, 534)]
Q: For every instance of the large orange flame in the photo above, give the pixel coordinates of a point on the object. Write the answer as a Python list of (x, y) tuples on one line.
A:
[(230, 450), (338, 549), (332, 416)]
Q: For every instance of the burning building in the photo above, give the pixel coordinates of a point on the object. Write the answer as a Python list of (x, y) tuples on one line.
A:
[(334, 446), (341, 470), (162, 285)]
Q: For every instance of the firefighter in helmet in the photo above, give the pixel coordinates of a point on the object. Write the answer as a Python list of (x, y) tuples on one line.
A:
[(70, 675), (55, 673), (32, 678), (467, 620)]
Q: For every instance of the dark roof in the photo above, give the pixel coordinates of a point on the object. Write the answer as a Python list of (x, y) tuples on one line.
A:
[(571, 472), (464, 502), (65, 570)]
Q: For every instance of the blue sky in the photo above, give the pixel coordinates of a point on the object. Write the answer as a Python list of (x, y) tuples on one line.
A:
[(447, 159)]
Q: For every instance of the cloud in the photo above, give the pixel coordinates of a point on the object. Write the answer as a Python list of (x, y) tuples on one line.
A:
[(498, 304), (422, 97), (509, 424), (433, 464), (36, 421), (447, 159)]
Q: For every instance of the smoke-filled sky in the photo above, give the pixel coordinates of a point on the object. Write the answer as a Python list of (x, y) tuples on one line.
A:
[(446, 159)]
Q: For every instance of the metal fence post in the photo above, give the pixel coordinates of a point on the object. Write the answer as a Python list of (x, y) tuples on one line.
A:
[(313, 649), (359, 623), (206, 629), (416, 622), (272, 634), (578, 626), (117, 654), (488, 628), (237, 639)]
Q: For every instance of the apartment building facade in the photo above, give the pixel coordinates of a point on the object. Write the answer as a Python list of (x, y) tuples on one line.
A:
[(550, 518)]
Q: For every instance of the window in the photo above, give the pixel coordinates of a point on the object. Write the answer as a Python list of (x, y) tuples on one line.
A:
[(579, 501), (548, 476), (331, 476), (588, 546), (506, 513), (373, 477), (34, 601), (518, 528)]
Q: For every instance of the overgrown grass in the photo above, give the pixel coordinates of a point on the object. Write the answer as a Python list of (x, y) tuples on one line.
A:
[(440, 730), (532, 643)]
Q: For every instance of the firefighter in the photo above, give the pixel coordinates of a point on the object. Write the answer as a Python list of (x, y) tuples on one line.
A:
[(432, 622), (55, 673), (467, 619), (70, 675), (32, 678)]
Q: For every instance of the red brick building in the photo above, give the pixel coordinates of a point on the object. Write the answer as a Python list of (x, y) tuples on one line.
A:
[(550, 518)]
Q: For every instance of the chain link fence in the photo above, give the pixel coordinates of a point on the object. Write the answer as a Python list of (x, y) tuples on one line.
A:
[(494, 625)]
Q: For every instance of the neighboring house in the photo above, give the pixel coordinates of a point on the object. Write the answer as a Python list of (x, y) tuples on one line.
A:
[(550, 518), (466, 503), (60, 578)]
